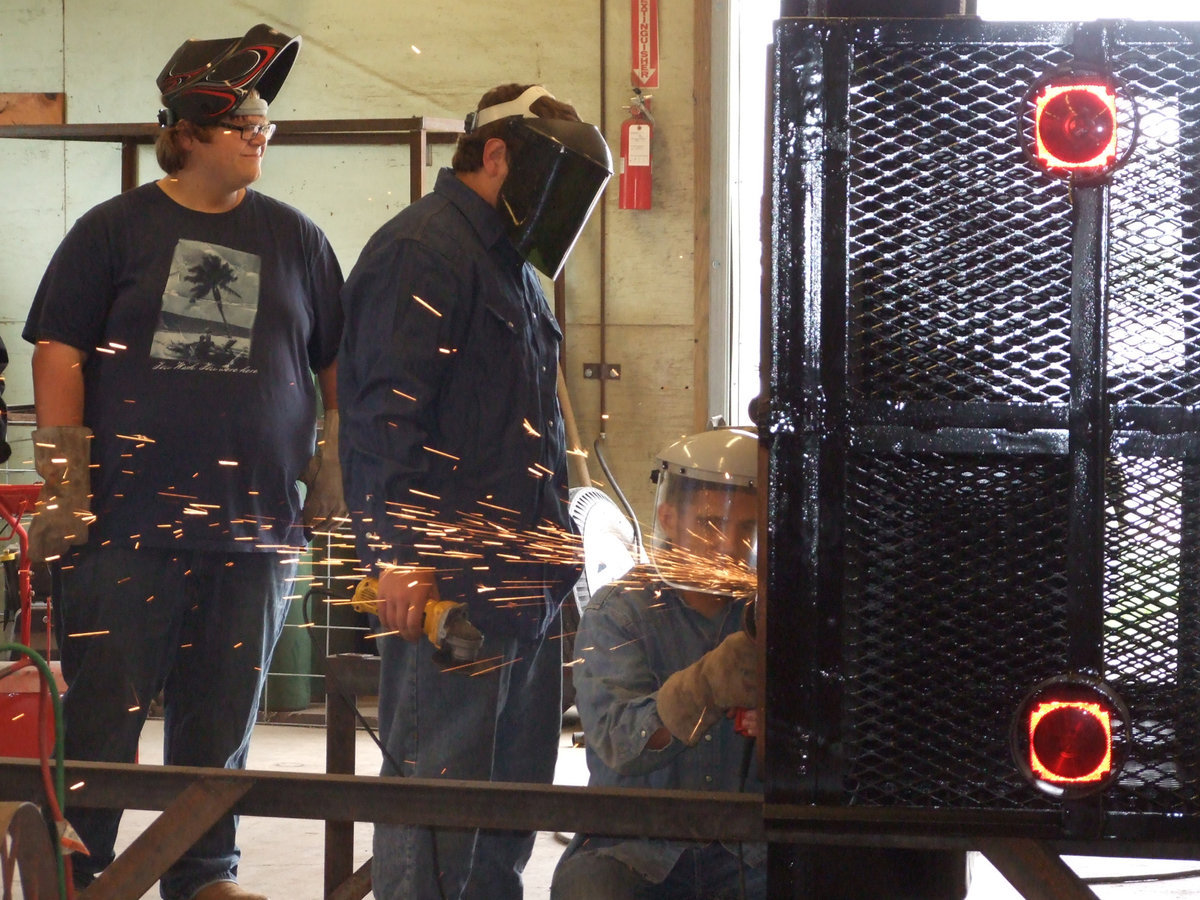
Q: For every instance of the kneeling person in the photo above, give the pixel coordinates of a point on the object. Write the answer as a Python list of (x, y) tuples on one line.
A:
[(665, 662)]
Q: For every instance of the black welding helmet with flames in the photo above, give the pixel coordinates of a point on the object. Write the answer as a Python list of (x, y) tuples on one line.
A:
[(207, 80), (706, 512), (557, 171)]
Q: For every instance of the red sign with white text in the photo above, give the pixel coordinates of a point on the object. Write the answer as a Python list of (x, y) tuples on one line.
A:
[(644, 25)]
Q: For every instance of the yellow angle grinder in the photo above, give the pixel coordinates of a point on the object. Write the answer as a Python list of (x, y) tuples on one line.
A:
[(458, 642)]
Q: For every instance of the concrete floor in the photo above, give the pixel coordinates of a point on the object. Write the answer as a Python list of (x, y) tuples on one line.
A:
[(283, 857)]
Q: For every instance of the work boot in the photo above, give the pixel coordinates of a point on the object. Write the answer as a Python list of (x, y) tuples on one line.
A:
[(226, 890)]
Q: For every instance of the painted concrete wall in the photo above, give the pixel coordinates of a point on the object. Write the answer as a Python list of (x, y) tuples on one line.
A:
[(376, 59)]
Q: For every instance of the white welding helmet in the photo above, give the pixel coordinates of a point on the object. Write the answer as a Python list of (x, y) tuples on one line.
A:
[(555, 178), (706, 513)]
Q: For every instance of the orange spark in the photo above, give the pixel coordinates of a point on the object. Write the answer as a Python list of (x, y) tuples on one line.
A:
[(427, 306)]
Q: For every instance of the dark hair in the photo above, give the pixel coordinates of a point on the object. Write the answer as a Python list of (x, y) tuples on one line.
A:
[(468, 155), (168, 146)]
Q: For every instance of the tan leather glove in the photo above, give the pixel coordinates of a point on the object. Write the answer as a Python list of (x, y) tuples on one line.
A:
[(61, 455), (693, 699), (325, 499)]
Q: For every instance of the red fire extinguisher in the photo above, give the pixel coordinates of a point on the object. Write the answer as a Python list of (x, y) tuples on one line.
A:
[(636, 132)]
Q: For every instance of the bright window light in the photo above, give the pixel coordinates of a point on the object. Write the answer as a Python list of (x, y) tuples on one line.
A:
[(1087, 10)]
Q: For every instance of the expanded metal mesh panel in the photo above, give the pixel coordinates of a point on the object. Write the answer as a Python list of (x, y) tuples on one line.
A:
[(942, 215), (985, 416), (1152, 626), (924, 607), (1154, 261)]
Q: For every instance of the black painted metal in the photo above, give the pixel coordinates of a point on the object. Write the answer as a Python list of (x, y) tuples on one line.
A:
[(984, 429)]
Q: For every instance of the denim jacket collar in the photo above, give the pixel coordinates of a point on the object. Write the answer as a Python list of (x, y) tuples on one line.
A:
[(482, 216)]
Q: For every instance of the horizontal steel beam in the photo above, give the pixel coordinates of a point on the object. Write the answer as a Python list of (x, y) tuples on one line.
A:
[(443, 803), (680, 815)]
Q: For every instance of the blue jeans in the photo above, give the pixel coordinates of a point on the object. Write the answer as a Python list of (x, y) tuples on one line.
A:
[(703, 872), (500, 725), (200, 627)]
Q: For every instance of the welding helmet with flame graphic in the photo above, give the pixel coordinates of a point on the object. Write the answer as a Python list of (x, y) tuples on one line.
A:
[(706, 512), (557, 170), (207, 80)]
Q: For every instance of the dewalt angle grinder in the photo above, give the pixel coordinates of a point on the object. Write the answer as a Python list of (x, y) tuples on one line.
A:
[(458, 642)]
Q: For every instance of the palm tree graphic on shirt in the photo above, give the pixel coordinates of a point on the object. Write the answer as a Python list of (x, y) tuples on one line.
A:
[(211, 276)]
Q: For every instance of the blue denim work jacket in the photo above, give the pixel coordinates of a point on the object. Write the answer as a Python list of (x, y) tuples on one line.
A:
[(452, 441), (632, 638)]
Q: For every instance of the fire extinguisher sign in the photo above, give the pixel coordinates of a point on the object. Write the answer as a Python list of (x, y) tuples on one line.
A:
[(644, 27)]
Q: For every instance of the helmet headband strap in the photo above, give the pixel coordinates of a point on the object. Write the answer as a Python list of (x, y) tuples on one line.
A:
[(521, 106)]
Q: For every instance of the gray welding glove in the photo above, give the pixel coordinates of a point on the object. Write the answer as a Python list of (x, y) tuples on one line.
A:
[(694, 699), (61, 455), (325, 499)]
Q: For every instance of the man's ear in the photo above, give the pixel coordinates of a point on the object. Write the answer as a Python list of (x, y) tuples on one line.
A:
[(495, 156)]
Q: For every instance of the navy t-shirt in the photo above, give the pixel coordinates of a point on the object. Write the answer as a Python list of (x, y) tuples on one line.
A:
[(202, 331)]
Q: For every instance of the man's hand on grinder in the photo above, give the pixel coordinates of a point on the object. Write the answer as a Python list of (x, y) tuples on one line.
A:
[(403, 593)]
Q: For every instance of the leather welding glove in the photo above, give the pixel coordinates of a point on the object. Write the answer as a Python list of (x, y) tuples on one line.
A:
[(61, 455), (325, 499), (693, 699)]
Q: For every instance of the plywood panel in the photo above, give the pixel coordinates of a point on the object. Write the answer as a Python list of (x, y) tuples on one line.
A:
[(32, 109)]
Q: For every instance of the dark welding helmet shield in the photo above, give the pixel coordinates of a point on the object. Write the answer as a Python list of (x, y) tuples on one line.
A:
[(207, 80), (557, 171)]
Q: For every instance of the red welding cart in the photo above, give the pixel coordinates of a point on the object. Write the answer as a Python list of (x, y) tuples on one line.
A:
[(21, 689)]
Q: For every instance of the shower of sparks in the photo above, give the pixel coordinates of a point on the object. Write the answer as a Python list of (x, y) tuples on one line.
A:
[(496, 552), (512, 565), (706, 571)]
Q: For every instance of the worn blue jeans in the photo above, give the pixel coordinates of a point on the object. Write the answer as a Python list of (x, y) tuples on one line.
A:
[(500, 725), (200, 627), (703, 872)]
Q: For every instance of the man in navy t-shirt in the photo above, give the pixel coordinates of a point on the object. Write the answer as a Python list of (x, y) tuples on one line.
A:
[(178, 329)]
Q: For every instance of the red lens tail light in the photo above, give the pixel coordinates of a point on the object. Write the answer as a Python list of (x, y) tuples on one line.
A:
[(1070, 742), (1076, 126), (1069, 735)]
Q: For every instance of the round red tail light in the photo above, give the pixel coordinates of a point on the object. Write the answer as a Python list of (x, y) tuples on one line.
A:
[(1076, 126), (1070, 741), (1068, 735)]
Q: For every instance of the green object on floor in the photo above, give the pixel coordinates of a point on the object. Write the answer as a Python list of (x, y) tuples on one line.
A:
[(289, 681)]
